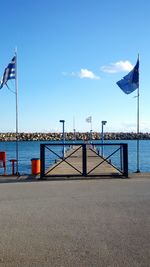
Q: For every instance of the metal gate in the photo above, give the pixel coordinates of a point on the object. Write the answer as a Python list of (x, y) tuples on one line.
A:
[(83, 160)]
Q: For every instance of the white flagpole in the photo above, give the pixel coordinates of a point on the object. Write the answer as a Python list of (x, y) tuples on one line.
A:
[(74, 129), (138, 126), (91, 130), (16, 92)]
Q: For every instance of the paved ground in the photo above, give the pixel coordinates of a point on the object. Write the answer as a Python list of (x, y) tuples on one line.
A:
[(89, 223)]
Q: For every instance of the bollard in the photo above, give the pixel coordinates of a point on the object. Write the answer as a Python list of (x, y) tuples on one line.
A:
[(13, 165), (3, 160), (35, 166)]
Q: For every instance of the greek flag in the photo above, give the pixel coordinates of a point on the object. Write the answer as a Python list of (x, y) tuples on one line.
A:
[(9, 72), (89, 119), (130, 82)]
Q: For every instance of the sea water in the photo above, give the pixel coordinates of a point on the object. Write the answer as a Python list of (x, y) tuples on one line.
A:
[(28, 150)]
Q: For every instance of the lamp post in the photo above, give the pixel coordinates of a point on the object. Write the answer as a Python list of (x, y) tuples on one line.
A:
[(63, 131), (91, 136), (74, 134), (102, 135)]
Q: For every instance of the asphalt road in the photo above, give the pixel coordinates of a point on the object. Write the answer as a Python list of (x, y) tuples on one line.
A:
[(75, 223)]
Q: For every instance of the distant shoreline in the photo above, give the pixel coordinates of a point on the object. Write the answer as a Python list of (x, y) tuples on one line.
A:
[(71, 136)]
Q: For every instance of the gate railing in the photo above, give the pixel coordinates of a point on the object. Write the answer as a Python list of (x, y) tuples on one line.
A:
[(114, 154)]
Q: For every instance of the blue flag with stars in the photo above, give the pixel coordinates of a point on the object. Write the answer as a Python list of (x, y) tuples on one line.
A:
[(130, 82)]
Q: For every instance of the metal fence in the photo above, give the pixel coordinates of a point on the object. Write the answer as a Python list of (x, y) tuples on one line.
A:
[(83, 160)]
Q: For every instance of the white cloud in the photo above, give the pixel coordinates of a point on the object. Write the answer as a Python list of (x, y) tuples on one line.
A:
[(119, 66), (64, 73), (84, 73)]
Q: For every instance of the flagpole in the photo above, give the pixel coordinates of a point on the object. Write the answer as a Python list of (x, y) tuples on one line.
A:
[(129, 84), (74, 129), (138, 126), (16, 92), (91, 131)]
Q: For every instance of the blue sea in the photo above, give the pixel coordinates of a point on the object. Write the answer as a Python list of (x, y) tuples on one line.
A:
[(31, 149)]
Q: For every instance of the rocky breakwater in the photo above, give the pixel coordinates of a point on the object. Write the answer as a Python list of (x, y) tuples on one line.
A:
[(71, 136)]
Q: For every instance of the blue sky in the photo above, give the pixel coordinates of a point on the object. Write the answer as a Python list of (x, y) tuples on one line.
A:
[(71, 53)]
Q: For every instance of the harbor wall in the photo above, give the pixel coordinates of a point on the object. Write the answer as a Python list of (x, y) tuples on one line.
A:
[(22, 136)]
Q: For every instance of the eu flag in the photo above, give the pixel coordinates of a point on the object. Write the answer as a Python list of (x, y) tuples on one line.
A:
[(9, 72), (130, 82)]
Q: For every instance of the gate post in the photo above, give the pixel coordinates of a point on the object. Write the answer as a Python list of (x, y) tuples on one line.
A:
[(84, 163), (125, 160), (42, 161)]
